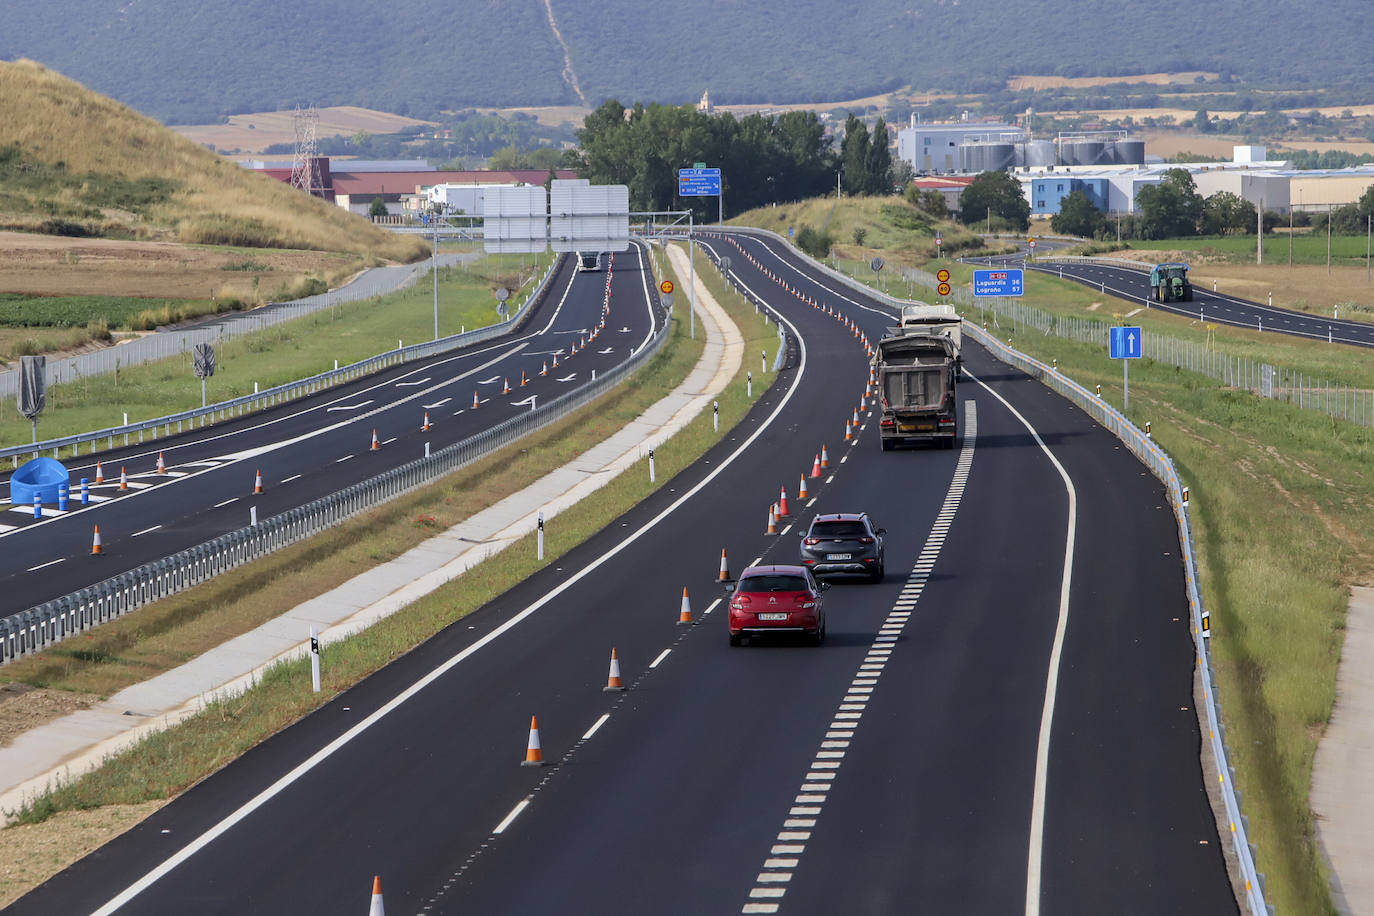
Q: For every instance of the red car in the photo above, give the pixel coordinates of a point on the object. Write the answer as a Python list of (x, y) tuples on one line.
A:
[(777, 599)]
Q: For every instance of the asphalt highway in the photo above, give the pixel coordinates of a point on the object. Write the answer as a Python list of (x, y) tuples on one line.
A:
[(1214, 307), (320, 444), (1003, 725)]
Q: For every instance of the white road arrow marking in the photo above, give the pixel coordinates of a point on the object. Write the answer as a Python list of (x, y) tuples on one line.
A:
[(349, 406), (491, 381), (412, 384), (607, 350), (437, 404), (524, 402), (625, 330), (568, 378)]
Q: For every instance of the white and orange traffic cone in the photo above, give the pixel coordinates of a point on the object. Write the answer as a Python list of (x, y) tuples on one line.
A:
[(534, 754), (816, 467), (376, 445), (474, 400), (377, 908), (545, 369), (782, 504), (772, 519), (523, 381), (123, 478), (96, 546), (855, 420), (724, 568), (161, 465), (257, 482), (555, 360), (825, 458), (684, 615), (505, 386), (848, 433), (99, 474), (424, 427), (613, 682), (801, 489)]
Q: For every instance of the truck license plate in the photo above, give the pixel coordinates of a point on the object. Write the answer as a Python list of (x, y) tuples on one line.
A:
[(838, 556), (772, 617)]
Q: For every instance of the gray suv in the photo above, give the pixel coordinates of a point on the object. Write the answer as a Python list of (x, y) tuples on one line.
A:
[(843, 542)]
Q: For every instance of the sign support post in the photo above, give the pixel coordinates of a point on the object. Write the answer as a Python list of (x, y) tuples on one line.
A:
[(1125, 344)]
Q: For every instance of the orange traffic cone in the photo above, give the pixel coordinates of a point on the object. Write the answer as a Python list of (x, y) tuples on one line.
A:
[(555, 360), (505, 386), (545, 370), (816, 467), (782, 504), (801, 489), (96, 546), (523, 381), (534, 755), (685, 614), (772, 519), (848, 433), (825, 459), (474, 400), (376, 446), (377, 908), (99, 474), (424, 428), (257, 482), (161, 465), (123, 479), (724, 568), (613, 680)]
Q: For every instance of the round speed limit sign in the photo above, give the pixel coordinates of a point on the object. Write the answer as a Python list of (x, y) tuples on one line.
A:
[(666, 287), (943, 289), (942, 275)]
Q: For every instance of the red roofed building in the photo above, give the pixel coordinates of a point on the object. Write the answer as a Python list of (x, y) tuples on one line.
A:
[(951, 186)]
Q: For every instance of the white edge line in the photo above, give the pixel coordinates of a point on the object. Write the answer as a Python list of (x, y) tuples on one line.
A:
[(514, 813), (595, 725), (257, 801)]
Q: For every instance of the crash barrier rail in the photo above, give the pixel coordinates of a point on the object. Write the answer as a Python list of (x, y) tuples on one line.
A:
[(760, 307), (1153, 457), (1139, 266), (226, 326), (277, 394), (1163, 467), (51, 622)]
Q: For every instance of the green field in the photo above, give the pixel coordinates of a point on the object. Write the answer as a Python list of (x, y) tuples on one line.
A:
[(1346, 250)]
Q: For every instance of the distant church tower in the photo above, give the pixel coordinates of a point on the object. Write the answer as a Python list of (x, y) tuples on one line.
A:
[(705, 103)]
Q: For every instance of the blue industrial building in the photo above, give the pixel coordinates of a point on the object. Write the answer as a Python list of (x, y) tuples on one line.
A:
[(1047, 191)]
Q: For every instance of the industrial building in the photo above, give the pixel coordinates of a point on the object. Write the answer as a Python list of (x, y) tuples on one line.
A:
[(935, 148)]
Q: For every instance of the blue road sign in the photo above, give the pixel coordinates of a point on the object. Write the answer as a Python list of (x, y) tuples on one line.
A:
[(1008, 282), (698, 182), (1125, 343)]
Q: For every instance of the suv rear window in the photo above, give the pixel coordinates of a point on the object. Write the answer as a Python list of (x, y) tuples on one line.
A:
[(774, 583), (839, 529)]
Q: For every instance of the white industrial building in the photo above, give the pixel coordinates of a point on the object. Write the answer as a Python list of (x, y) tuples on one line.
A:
[(935, 148)]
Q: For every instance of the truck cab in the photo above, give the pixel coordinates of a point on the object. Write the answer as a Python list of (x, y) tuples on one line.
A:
[(589, 260)]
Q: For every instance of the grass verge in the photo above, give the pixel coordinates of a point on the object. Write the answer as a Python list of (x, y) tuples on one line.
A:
[(169, 632)]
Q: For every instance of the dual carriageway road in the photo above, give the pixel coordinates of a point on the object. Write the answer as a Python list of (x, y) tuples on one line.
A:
[(1005, 724)]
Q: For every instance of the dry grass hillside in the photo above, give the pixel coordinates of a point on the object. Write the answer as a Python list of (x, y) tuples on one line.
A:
[(73, 162)]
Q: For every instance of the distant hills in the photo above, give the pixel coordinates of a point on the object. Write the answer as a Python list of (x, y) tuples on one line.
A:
[(195, 63)]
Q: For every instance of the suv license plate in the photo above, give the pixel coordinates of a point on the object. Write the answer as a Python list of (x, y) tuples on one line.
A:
[(839, 556), (772, 617)]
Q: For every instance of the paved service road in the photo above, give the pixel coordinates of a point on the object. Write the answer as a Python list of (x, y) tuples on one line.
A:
[(895, 769), (317, 445)]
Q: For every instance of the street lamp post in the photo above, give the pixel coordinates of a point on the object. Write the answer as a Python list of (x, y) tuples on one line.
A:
[(435, 217)]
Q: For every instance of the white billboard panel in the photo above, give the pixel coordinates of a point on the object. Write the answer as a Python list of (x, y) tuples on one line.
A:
[(514, 214), (585, 217)]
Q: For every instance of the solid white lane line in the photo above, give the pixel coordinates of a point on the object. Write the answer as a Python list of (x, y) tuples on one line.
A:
[(1042, 755), (595, 725), (661, 656), (145, 531), (45, 565), (514, 813)]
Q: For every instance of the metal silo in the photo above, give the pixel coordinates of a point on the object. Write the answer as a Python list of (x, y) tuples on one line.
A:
[(1040, 153), (1130, 152), (1082, 152)]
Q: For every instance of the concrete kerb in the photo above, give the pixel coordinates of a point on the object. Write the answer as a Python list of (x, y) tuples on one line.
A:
[(75, 744)]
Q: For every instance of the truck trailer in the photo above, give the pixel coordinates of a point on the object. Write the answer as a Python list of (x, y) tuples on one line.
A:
[(916, 371)]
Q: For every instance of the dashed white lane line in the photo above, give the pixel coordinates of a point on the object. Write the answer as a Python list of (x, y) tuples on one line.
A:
[(343, 459), (661, 656), (145, 531), (388, 441), (225, 503), (46, 565), (785, 855), (291, 478), (595, 725), (811, 502), (510, 818), (787, 529), (712, 606)]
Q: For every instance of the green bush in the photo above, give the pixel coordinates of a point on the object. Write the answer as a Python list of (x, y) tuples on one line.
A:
[(816, 244)]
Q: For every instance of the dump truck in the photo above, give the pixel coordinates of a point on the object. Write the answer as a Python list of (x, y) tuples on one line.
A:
[(915, 370), (589, 260), (936, 319), (1169, 283)]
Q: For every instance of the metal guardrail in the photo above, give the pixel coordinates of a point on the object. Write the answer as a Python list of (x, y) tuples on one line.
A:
[(275, 395), (1126, 263), (51, 622), (1163, 467), (1160, 464)]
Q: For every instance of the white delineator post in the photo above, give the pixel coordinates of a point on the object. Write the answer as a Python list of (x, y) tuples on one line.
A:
[(540, 536), (314, 660)]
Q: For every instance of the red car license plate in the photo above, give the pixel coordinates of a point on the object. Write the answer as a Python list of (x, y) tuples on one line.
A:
[(772, 617)]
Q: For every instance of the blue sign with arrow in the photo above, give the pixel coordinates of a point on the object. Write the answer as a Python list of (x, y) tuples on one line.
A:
[(698, 182), (1124, 343)]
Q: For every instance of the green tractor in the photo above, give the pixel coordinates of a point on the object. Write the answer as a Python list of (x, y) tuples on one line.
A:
[(1169, 283)]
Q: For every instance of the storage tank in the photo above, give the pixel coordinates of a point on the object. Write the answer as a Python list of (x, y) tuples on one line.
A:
[(1082, 152), (986, 157), (1130, 152), (1040, 153)]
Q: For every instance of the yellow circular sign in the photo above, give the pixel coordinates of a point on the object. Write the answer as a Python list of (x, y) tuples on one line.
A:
[(942, 275), (666, 287), (943, 289)]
